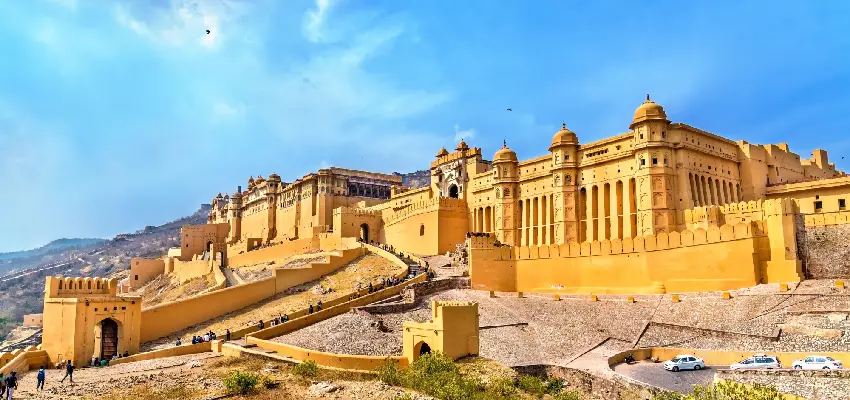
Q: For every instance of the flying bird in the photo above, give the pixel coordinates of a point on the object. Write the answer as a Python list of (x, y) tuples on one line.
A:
[(208, 31), (510, 109)]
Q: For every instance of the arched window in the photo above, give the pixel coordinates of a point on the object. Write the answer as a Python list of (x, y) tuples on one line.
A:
[(60, 284), (422, 230)]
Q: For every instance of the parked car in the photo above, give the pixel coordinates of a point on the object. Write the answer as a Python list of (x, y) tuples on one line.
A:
[(683, 362), (758, 361), (818, 362)]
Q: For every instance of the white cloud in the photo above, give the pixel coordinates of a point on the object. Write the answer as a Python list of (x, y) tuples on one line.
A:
[(314, 20), (464, 134), (185, 22)]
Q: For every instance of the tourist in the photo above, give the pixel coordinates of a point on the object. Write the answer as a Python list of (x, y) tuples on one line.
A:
[(194, 339), (370, 287), (262, 325), (42, 374), (11, 384), (227, 335), (310, 310), (95, 361), (2, 385), (319, 306), (104, 362), (285, 317), (126, 353), (178, 342), (69, 372), (212, 335), (207, 337)]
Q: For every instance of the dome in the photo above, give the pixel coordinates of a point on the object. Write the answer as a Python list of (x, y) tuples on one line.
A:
[(442, 152), (504, 154), (250, 180), (259, 180), (462, 146), (564, 137), (274, 177), (647, 111)]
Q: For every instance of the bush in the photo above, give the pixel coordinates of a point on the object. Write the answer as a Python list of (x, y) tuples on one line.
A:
[(568, 396), (531, 384), (241, 382), (501, 389), (554, 386), (726, 390), (390, 374), (306, 369)]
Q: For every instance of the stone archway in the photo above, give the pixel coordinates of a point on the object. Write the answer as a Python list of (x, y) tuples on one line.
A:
[(364, 233), (453, 191), (420, 350), (108, 338)]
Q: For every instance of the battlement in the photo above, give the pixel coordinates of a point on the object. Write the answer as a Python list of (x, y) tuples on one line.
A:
[(358, 212), (662, 241), (436, 203), (57, 286), (761, 209), (456, 155)]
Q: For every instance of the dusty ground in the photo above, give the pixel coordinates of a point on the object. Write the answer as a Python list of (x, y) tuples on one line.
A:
[(360, 272), (578, 333), (265, 270), (177, 378), (163, 289)]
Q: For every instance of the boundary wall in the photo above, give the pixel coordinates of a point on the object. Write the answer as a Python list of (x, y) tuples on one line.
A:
[(164, 319), (276, 252), (721, 258), (719, 357), (182, 350), (23, 360)]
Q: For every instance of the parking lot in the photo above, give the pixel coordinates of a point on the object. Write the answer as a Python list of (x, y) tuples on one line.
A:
[(655, 374)]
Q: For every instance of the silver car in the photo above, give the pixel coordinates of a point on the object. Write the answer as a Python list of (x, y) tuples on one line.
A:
[(818, 362), (758, 361), (683, 362)]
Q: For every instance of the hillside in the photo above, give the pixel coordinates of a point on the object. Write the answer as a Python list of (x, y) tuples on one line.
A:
[(415, 179), (21, 291), (52, 247)]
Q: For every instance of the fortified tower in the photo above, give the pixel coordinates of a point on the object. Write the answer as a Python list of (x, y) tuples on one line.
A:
[(85, 318), (506, 179), (235, 211), (564, 172), (655, 175)]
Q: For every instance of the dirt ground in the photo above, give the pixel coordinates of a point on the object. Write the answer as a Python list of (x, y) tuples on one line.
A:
[(199, 376)]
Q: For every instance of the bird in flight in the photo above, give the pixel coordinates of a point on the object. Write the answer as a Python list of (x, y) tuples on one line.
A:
[(510, 109), (208, 31)]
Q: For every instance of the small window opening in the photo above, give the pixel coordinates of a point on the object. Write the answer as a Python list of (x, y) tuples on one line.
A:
[(818, 206), (654, 160), (842, 204)]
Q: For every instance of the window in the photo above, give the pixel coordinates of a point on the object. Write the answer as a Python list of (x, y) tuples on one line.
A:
[(654, 160), (642, 163), (818, 206), (663, 135), (422, 230), (842, 204), (137, 277), (665, 160), (641, 135)]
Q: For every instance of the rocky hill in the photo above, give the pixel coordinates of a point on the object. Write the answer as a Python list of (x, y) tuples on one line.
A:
[(22, 289), (52, 247), (416, 179)]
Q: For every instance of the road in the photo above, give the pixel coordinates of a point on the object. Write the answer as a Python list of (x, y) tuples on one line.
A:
[(655, 375)]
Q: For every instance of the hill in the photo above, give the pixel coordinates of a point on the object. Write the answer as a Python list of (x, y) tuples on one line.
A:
[(21, 291), (54, 246), (415, 179)]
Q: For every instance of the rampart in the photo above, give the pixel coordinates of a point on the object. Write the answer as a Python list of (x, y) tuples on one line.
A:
[(714, 259), (162, 320), (23, 360), (276, 252)]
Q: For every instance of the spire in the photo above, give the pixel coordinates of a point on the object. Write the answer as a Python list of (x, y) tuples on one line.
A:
[(564, 125), (504, 144), (647, 97)]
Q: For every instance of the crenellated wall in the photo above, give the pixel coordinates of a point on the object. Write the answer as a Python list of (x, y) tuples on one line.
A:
[(714, 259)]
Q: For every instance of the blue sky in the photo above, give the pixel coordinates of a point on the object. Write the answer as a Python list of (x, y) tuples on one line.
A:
[(120, 114)]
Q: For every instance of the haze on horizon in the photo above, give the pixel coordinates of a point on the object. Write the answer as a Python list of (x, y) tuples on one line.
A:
[(115, 115)]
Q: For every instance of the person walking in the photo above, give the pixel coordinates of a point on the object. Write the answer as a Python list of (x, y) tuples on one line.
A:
[(11, 384), (69, 372), (42, 374), (227, 335)]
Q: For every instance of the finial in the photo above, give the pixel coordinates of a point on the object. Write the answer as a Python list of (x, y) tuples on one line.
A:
[(504, 144), (563, 125), (647, 97)]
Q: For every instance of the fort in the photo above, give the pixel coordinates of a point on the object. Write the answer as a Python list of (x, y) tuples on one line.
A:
[(664, 208)]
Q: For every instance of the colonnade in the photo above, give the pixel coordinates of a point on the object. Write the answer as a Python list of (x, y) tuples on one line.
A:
[(536, 220), (368, 190), (608, 211), (708, 191), (482, 219)]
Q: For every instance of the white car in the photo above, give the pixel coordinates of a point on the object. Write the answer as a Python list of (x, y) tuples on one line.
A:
[(818, 362), (683, 362), (758, 361)]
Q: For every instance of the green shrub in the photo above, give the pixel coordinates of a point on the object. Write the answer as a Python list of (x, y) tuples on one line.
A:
[(531, 384), (726, 390), (390, 373), (501, 389), (241, 382), (567, 396), (554, 386), (306, 369)]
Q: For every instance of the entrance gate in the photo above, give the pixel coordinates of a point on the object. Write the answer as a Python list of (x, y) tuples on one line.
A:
[(108, 338)]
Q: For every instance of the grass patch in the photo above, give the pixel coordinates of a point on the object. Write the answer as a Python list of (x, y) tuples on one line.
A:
[(726, 390), (241, 382), (438, 376), (306, 369)]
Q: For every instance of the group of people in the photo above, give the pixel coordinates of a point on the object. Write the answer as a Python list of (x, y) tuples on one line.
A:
[(200, 339), (318, 307), (8, 384), (278, 320)]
